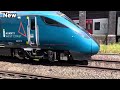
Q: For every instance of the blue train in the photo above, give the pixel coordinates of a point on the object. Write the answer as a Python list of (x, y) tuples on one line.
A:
[(44, 35)]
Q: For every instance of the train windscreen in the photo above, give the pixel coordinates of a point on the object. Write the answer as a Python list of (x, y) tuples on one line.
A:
[(67, 18)]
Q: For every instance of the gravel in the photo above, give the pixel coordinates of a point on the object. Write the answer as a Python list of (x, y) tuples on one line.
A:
[(64, 72), (107, 57)]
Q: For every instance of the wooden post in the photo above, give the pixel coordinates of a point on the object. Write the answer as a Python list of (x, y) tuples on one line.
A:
[(82, 18)]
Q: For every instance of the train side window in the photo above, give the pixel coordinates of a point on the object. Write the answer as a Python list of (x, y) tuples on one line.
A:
[(32, 24), (97, 25), (52, 22)]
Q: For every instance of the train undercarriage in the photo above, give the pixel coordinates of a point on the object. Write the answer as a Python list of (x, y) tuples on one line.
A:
[(38, 54)]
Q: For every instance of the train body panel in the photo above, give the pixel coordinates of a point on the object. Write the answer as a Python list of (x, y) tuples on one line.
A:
[(13, 30), (96, 26), (100, 26)]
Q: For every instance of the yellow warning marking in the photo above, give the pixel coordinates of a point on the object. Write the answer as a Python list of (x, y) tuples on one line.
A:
[(26, 42), (27, 17), (36, 59)]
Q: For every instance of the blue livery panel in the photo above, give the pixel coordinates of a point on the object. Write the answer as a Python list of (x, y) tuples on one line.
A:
[(49, 29), (13, 30)]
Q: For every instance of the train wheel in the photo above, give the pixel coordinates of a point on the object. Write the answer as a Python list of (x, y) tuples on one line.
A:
[(12, 52), (51, 56), (58, 56), (27, 56), (85, 62), (17, 53), (70, 58)]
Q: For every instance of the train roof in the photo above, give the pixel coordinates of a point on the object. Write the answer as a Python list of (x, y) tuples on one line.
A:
[(23, 13)]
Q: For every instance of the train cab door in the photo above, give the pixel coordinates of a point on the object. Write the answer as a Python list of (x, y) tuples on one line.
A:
[(33, 31), (89, 26), (1, 32)]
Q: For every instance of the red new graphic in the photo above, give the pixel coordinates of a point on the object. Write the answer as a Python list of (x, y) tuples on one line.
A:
[(21, 25)]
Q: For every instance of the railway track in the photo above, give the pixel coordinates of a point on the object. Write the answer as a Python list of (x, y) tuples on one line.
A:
[(95, 64), (92, 64), (15, 75), (102, 64), (98, 64)]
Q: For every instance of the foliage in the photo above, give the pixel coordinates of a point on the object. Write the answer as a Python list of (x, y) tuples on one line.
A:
[(110, 48)]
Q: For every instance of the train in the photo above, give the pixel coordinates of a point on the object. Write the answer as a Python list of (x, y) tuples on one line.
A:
[(99, 26), (47, 35)]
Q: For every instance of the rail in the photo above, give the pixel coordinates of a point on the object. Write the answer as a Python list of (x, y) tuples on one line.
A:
[(13, 75)]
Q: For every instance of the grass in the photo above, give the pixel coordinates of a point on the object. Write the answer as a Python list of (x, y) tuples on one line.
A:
[(110, 48)]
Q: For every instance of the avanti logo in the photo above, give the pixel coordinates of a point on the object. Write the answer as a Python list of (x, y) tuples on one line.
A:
[(9, 15)]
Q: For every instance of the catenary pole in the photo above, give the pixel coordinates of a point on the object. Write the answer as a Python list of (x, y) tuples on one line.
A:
[(111, 24)]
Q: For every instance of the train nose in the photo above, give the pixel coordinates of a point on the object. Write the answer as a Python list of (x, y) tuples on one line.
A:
[(95, 48)]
